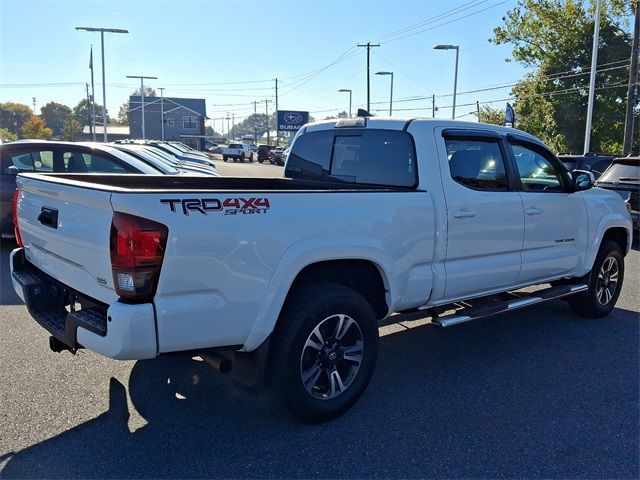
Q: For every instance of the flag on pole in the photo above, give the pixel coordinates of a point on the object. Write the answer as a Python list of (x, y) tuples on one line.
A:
[(91, 59), (509, 116)]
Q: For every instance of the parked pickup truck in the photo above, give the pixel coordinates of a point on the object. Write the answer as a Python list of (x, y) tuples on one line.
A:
[(293, 275), (238, 151)]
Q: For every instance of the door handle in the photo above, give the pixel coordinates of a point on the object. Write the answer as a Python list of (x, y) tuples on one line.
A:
[(534, 211), (464, 214)]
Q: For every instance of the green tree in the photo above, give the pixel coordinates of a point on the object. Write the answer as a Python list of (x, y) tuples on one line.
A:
[(57, 117), (7, 136), (13, 116), (36, 127), (81, 113), (491, 115), (555, 38)]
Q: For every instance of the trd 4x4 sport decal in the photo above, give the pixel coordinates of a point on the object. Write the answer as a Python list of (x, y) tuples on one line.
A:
[(230, 206)]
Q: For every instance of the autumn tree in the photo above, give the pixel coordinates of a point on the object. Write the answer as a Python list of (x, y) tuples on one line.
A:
[(555, 38), (36, 127), (13, 116), (491, 115), (7, 136), (57, 117)]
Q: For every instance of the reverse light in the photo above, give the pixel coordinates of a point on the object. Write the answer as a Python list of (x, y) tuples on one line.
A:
[(16, 229), (137, 248)]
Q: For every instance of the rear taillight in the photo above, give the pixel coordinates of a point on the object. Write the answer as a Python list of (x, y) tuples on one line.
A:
[(16, 229), (137, 248)]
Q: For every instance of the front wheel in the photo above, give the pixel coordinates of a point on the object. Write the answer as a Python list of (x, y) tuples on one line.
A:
[(604, 282), (325, 350)]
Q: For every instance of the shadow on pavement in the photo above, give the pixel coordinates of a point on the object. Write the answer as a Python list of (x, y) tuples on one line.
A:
[(536, 394), (7, 295)]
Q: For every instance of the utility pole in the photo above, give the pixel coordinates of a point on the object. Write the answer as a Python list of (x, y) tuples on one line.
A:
[(266, 106), (369, 46), (34, 105), (233, 125), (162, 110), (277, 131), (478, 109), (228, 129), (93, 99), (632, 93), (433, 106), (255, 128), (592, 78), (142, 78), (88, 107)]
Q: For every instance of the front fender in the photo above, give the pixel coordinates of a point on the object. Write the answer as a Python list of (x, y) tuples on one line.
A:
[(305, 253), (611, 220)]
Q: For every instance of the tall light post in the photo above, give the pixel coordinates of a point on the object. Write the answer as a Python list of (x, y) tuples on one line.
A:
[(592, 78), (142, 78), (391, 94), (350, 93), (104, 85), (455, 78), (162, 110)]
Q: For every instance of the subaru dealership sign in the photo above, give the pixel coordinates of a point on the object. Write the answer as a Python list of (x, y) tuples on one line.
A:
[(289, 120)]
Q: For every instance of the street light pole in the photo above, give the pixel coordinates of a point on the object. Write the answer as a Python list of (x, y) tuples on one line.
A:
[(391, 94), (162, 110), (142, 78), (104, 86), (347, 90), (455, 78), (592, 78)]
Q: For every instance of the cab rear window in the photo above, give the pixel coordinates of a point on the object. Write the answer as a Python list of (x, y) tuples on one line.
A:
[(378, 157)]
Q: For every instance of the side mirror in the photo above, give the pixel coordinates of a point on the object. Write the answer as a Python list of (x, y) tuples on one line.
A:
[(582, 180), (13, 170)]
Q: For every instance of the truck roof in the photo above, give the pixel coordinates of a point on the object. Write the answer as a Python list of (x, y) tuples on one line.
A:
[(399, 123)]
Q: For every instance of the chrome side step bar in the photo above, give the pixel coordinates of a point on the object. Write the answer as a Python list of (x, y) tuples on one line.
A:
[(518, 300)]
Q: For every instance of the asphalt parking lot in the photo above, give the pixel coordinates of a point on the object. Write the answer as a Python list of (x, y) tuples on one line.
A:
[(535, 393)]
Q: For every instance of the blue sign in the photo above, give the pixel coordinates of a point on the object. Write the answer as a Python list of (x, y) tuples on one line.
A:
[(509, 116), (291, 121)]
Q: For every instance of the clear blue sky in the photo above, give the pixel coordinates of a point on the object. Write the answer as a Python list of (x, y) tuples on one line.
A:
[(202, 49)]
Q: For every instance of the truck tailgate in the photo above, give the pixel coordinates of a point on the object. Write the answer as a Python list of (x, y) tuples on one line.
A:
[(65, 230)]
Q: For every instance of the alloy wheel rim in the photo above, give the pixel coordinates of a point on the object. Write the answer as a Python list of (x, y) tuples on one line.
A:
[(331, 357), (607, 282)]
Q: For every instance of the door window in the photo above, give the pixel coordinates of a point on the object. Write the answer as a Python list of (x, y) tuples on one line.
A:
[(82, 162), (477, 164), (31, 161), (537, 173)]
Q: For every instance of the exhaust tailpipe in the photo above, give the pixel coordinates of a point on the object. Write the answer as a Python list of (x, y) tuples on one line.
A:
[(220, 363)]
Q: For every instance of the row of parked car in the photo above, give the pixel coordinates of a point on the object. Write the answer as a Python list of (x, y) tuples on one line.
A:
[(619, 174), (122, 157)]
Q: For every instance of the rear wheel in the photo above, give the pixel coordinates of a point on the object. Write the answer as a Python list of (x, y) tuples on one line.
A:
[(604, 283), (224, 158), (325, 350)]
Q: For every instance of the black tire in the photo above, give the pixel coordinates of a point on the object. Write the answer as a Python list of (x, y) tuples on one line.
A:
[(604, 281), (224, 158), (242, 158), (259, 160), (323, 307)]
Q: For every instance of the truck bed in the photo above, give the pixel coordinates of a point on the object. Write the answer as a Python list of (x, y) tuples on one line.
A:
[(147, 183)]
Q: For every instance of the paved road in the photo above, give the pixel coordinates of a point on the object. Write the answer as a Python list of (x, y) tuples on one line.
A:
[(536, 393)]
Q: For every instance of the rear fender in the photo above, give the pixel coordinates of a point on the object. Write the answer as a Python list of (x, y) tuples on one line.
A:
[(305, 253)]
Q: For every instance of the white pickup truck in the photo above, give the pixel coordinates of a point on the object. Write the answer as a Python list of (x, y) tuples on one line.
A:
[(293, 275), (237, 151)]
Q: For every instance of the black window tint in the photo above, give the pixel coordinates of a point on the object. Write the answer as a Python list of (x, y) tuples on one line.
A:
[(477, 164), (79, 162), (537, 173), (39, 161), (379, 157), (310, 156)]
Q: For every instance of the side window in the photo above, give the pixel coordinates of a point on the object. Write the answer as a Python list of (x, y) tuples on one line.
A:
[(477, 163), (536, 172), (310, 156), (376, 157), (81, 162), (35, 161)]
